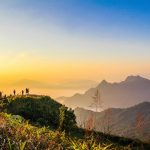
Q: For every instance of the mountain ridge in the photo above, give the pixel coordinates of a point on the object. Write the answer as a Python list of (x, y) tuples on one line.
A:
[(132, 122), (131, 91)]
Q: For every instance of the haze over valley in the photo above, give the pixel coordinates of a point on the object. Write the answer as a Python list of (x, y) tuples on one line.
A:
[(133, 90)]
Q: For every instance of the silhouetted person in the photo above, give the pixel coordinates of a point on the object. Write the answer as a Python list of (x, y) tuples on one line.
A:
[(22, 92), (14, 92), (27, 91)]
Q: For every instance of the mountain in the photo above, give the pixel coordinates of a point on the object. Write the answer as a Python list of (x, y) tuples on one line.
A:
[(132, 122), (61, 99), (131, 91)]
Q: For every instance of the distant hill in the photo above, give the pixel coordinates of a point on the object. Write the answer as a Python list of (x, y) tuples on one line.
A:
[(131, 91), (61, 99), (132, 122), (71, 84), (30, 83)]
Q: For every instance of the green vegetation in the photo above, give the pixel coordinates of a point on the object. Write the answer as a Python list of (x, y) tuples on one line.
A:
[(41, 123), (43, 111)]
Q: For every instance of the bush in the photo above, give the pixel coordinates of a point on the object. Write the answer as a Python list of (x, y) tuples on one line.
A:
[(43, 111)]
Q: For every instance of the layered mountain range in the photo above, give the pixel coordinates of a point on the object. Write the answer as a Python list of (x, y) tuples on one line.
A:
[(132, 122), (133, 90)]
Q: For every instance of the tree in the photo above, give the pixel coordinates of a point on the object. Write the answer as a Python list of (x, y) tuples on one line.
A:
[(61, 117), (96, 100), (108, 122), (67, 119), (14, 92), (90, 123), (140, 125)]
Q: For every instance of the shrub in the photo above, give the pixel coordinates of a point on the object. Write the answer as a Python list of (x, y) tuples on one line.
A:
[(43, 111)]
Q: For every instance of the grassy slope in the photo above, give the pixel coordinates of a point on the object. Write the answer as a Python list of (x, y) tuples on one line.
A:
[(18, 134)]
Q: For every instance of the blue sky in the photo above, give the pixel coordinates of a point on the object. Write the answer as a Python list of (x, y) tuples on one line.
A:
[(100, 20), (130, 17), (112, 35)]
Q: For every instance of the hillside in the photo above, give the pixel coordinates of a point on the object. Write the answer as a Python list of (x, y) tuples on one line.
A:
[(132, 122), (28, 131), (131, 91)]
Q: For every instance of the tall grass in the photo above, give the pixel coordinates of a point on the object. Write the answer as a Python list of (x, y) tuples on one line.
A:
[(18, 134)]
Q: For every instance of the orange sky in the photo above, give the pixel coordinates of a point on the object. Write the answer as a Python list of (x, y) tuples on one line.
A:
[(68, 48), (66, 72)]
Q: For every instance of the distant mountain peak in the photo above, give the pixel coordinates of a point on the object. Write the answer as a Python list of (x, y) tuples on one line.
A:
[(142, 104), (134, 78), (122, 94), (104, 82)]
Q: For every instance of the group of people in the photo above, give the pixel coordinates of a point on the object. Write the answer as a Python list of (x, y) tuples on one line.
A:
[(14, 93), (22, 92)]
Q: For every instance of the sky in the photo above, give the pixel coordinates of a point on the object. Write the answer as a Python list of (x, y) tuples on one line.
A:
[(71, 45)]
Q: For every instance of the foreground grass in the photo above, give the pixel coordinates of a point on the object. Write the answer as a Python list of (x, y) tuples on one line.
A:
[(18, 134)]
